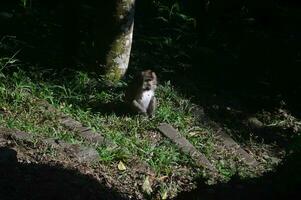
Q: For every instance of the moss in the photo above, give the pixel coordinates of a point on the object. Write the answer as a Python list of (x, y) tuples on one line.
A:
[(123, 9), (117, 57), (113, 73), (113, 76)]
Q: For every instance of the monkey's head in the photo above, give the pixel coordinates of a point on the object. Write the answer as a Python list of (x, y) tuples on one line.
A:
[(149, 80)]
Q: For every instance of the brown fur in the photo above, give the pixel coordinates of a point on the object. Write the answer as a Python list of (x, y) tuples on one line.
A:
[(143, 82)]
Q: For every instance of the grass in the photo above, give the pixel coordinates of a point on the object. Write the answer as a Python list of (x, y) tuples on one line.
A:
[(135, 137), (21, 90)]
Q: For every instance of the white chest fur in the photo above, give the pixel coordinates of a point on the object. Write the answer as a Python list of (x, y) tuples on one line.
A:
[(146, 98)]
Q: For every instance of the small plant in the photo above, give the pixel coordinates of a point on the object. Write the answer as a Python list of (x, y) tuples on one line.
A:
[(26, 3)]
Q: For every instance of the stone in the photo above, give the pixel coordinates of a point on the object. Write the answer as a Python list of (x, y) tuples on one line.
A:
[(186, 146)]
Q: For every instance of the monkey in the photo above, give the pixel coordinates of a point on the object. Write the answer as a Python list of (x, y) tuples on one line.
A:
[(140, 94)]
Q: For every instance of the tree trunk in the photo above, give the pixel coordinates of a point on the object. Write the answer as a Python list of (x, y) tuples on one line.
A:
[(114, 38)]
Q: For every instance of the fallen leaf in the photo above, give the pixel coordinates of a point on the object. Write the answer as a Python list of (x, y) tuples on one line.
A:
[(193, 133), (121, 166), (164, 195), (146, 187)]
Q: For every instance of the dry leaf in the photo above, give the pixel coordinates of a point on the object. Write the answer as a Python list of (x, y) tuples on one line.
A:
[(146, 187), (193, 133), (164, 195), (121, 166)]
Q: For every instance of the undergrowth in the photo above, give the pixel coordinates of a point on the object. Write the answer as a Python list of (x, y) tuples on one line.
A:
[(133, 136)]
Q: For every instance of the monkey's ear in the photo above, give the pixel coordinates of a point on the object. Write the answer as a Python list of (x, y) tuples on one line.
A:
[(154, 75)]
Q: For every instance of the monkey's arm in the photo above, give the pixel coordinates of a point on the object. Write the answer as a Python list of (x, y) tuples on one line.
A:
[(138, 107), (151, 107)]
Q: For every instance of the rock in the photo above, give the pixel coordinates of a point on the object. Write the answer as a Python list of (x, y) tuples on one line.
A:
[(87, 155), (254, 123), (198, 112), (16, 135), (231, 144), (84, 132), (185, 146)]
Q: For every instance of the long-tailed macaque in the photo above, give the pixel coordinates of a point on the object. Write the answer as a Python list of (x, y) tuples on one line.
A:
[(140, 95)]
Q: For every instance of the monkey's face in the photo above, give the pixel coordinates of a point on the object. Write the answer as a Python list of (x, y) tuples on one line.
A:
[(149, 80)]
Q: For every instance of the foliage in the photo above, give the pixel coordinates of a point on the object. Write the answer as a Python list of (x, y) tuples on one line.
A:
[(135, 137), (26, 3)]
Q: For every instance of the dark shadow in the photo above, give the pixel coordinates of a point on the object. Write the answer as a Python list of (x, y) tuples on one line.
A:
[(117, 108), (42, 181), (283, 183), (46, 34), (37, 36), (247, 63), (74, 34), (238, 122), (254, 62)]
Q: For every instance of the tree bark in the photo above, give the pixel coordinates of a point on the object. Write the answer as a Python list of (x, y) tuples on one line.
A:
[(114, 38)]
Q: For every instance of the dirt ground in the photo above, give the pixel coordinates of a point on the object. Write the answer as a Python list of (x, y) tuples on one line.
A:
[(28, 173)]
